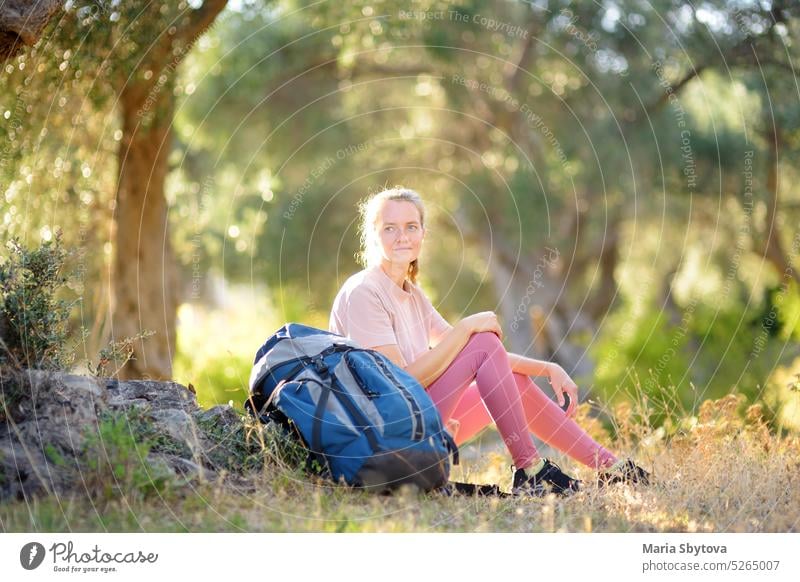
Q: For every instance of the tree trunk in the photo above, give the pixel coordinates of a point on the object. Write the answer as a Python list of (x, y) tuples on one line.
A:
[(22, 22), (145, 278), (532, 303), (773, 247)]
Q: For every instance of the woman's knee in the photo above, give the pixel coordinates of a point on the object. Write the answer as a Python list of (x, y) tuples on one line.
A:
[(485, 339)]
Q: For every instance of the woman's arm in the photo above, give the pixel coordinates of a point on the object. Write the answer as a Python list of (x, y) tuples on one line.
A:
[(559, 379), (432, 363), (529, 366)]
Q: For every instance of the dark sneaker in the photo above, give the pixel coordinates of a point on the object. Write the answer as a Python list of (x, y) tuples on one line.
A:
[(628, 472), (550, 479)]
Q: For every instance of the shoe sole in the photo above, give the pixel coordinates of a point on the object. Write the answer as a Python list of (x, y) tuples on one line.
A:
[(521, 491)]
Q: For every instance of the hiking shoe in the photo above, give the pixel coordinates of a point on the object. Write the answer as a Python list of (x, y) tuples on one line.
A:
[(625, 472), (550, 479)]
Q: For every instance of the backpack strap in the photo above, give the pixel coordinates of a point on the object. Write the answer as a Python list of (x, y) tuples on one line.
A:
[(472, 490), (451, 445), (255, 405), (261, 407)]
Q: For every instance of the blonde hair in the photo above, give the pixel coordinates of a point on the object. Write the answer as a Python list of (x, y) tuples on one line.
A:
[(370, 254)]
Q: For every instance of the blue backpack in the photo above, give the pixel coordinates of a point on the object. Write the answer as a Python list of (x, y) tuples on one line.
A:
[(368, 422)]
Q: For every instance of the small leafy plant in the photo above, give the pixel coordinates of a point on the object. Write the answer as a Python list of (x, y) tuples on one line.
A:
[(116, 354), (116, 461), (33, 322)]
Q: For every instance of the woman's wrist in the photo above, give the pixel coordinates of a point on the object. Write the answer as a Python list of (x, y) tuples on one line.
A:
[(463, 327), (552, 368)]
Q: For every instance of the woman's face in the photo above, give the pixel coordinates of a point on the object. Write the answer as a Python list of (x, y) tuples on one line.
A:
[(400, 231)]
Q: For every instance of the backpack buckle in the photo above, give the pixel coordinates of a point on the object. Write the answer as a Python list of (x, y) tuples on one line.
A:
[(319, 365)]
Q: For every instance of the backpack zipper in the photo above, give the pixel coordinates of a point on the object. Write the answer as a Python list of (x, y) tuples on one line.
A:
[(419, 428), (414, 414), (302, 362), (368, 392)]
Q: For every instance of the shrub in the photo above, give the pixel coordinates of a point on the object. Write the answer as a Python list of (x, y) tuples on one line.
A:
[(33, 323), (231, 449), (116, 461)]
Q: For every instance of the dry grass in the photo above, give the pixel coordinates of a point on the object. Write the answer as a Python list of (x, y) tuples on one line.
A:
[(721, 471)]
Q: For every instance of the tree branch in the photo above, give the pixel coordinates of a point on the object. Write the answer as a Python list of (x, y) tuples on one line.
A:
[(163, 55), (514, 78), (22, 22), (675, 89), (198, 22)]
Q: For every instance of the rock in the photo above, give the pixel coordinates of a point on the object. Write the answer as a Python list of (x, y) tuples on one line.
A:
[(57, 409), (26, 471), (157, 395), (87, 385), (188, 469), (83, 394), (222, 416), (180, 426), (43, 449)]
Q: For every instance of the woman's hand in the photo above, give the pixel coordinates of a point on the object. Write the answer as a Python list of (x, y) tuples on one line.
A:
[(483, 321), (562, 383)]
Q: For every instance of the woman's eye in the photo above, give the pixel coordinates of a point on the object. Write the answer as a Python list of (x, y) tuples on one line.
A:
[(413, 227)]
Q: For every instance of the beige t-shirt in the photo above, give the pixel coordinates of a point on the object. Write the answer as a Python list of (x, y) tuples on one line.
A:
[(373, 310)]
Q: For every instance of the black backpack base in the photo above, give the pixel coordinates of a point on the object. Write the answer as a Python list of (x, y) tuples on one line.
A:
[(457, 489), (389, 470)]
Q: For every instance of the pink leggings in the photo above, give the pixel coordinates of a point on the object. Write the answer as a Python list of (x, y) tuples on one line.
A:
[(512, 401)]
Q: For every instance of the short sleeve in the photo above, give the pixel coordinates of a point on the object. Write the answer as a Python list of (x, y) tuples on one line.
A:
[(439, 324), (333, 324), (367, 320)]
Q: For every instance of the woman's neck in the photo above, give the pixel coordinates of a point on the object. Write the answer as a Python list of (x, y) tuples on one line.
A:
[(397, 272)]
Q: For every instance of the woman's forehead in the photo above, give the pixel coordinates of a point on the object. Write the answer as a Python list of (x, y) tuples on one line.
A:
[(399, 211)]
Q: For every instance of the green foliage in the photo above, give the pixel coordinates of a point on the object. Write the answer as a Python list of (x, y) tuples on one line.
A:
[(232, 449), (218, 379), (641, 353), (787, 303), (33, 322), (116, 462), (216, 346), (713, 349), (54, 455)]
